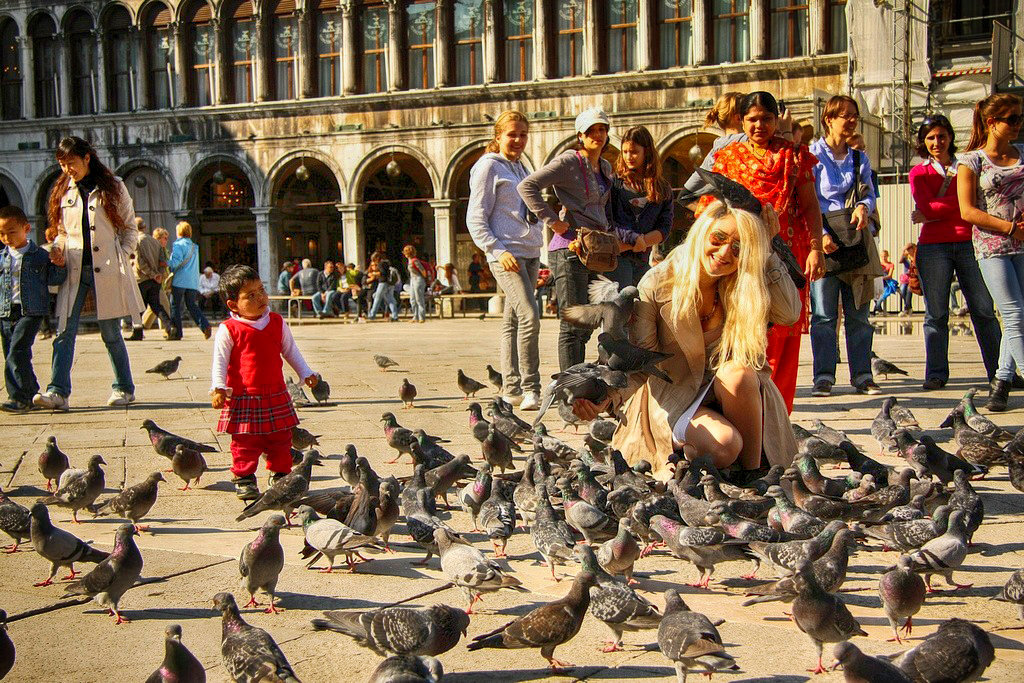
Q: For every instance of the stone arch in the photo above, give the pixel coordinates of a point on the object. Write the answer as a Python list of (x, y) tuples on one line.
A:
[(72, 11), (368, 165), (611, 151), (40, 196), (153, 192), (107, 9), (275, 175), (457, 165), (253, 175), (305, 221), (186, 8), (12, 188), (36, 14)]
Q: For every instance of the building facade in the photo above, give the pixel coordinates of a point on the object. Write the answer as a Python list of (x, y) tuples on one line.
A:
[(326, 128)]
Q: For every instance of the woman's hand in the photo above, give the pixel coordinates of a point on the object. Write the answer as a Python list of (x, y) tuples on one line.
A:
[(509, 262), (917, 217), (311, 381), (785, 122), (771, 220), (218, 398), (559, 227), (57, 256), (640, 245), (585, 410), (860, 216), (828, 245), (814, 267)]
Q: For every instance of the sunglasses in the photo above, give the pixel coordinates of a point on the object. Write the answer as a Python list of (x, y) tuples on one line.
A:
[(1013, 120), (936, 120), (719, 239)]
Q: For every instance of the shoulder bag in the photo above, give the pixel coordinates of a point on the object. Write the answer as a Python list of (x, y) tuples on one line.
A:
[(598, 249), (852, 252)]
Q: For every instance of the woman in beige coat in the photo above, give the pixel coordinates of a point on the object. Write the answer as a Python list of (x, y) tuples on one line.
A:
[(94, 218), (709, 304)]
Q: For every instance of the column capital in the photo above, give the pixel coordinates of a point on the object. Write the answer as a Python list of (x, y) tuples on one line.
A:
[(347, 8), (441, 204), (342, 207), (264, 212)]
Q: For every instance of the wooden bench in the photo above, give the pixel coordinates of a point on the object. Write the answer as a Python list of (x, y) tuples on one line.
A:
[(452, 299), (289, 299)]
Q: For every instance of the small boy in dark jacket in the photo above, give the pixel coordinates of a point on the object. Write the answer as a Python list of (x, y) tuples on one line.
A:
[(26, 270)]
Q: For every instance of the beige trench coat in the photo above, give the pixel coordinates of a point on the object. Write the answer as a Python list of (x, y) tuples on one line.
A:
[(654, 406), (116, 290)]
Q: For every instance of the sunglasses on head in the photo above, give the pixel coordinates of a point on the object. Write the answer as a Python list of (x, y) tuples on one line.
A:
[(719, 239), (936, 120), (1013, 120)]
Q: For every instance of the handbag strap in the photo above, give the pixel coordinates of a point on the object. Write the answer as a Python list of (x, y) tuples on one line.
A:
[(586, 179)]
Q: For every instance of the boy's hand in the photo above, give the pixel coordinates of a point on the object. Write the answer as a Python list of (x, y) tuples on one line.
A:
[(312, 381), (57, 256), (219, 398)]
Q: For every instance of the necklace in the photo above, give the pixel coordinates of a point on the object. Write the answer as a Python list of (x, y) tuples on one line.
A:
[(759, 152), (714, 307)]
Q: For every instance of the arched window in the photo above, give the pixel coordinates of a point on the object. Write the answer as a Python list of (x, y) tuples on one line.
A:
[(284, 36), (10, 71), (570, 18), (158, 43), (45, 64), (374, 25), (518, 40), (675, 31), (241, 37), (620, 23), (328, 48), (731, 30), (421, 26), (82, 60), (788, 28), (469, 32), (199, 61), (120, 59)]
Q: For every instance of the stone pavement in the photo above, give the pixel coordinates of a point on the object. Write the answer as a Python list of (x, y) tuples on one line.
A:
[(196, 540)]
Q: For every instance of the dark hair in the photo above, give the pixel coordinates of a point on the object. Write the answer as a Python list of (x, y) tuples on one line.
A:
[(931, 122), (109, 186), (234, 278), (655, 187), (990, 107), (13, 213), (758, 98)]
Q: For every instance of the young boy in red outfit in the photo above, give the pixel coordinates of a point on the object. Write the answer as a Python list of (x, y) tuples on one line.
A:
[(248, 383)]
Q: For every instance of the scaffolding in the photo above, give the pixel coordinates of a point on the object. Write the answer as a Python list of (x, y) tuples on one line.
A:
[(900, 113)]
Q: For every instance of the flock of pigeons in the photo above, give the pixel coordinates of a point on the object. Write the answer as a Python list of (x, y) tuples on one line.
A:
[(585, 509)]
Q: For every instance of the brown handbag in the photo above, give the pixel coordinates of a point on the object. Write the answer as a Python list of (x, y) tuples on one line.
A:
[(598, 251)]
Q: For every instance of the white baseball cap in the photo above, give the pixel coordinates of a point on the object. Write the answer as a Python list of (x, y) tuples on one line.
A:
[(589, 117)]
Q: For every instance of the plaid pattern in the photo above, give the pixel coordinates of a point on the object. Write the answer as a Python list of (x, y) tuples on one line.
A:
[(258, 414)]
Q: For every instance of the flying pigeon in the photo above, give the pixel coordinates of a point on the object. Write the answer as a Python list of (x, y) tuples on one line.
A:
[(612, 316), (589, 381)]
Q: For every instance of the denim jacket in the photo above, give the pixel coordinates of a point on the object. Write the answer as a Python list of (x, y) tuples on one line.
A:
[(37, 273)]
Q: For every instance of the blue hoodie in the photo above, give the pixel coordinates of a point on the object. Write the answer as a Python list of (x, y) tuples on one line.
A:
[(184, 263)]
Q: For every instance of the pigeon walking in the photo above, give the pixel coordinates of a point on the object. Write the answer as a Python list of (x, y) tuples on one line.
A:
[(250, 654), (284, 492), (164, 441), (398, 437), (179, 664), (820, 614), (615, 603), (134, 502), (944, 554), (261, 562), (303, 438), (466, 567), (551, 535), (79, 489), (407, 393), (52, 462), (468, 385), (495, 378), (902, 593), (111, 578), (15, 521), (690, 641), (166, 367), (883, 368), (188, 464), (61, 548), (330, 538), (400, 630), (383, 362)]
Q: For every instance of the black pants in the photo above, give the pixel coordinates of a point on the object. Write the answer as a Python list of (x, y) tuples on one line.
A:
[(150, 290), (18, 332), (571, 280)]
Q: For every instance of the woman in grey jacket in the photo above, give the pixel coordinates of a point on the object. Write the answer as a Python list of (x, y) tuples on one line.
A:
[(497, 220), (582, 183)]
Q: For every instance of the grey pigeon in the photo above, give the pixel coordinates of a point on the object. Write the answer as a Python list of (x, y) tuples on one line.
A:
[(690, 641), (297, 393), (261, 561), (388, 509), (468, 385), (862, 668), (705, 547), (400, 630), (495, 378), (552, 448), (250, 654), (966, 499), (473, 494), (79, 488), (902, 593), (728, 191), (134, 502), (166, 367), (330, 538), (179, 665), (111, 578), (612, 316), (347, 465), (590, 381), (545, 627), (7, 652), (322, 390), (498, 518), (509, 424), (568, 417), (618, 555), (1013, 592), (407, 393), (979, 422), (397, 436), (466, 567), (586, 518), (902, 416), (784, 556), (829, 434), (883, 427), (621, 354), (303, 438), (188, 464), (408, 669), (61, 548), (957, 651), (883, 368), (383, 362), (477, 422), (421, 523), (283, 493), (164, 441), (974, 446), (820, 614), (943, 464), (943, 554), (602, 430), (1015, 471), (615, 603), (497, 449), (443, 477), (15, 521), (912, 534), (52, 462), (551, 535), (829, 572)]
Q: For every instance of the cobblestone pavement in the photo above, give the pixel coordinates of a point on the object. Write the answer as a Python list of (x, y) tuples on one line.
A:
[(196, 540)]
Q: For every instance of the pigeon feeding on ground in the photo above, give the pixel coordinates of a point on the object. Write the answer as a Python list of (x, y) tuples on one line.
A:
[(166, 367), (133, 502), (61, 548), (79, 489), (979, 422), (400, 630), (703, 546), (164, 441), (111, 578), (495, 378), (611, 314), (15, 521), (52, 462), (383, 362), (883, 368), (957, 651), (408, 669), (902, 593), (497, 516), (283, 493), (407, 393), (303, 438), (398, 437), (330, 538), (465, 566), (188, 464), (7, 652), (468, 385), (690, 640), (590, 381), (179, 665), (249, 653), (862, 668), (261, 562), (615, 603)]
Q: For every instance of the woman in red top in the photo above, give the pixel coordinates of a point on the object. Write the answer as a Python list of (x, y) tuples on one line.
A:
[(945, 248), (780, 173)]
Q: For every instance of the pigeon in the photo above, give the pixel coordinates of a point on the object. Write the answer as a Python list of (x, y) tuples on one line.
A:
[(618, 555), (979, 422), (249, 653), (728, 191), (400, 630), (61, 548), (829, 571), (965, 498), (398, 437), (615, 603), (497, 449), (329, 537), (902, 416), (112, 577), (957, 651), (611, 315), (134, 502), (703, 546), (498, 518), (690, 641), (188, 464), (865, 465), (164, 442), (790, 518), (545, 627), (590, 381), (388, 509), (179, 663), (602, 430), (322, 390), (303, 438), (784, 557), (383, 362), (297, 393), (568, 417), (408, 669), (824, 507), (829, 434), (509, 424), (883, 427), (722, 516), (942, 464), (861, 668), (902, 592), (283, 493), (421, 523), (79, 488), (477, 422), (15, 521), (550, 534), (52, 462), (910, 535), (974, 446), (465, 566), (586, 518), (550, 447), (495, 378), (1013, 592), (407, 393), (820, 614), (261, 561), (473, 494), (1015, 471), (7, 652), (943, 554), (166, 367), (883, 368), (468, 385), (621, 354)]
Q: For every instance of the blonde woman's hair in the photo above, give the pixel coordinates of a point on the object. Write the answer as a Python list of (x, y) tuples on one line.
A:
[(504, 120), (160, 232), (725, 108), (184, 229), (743, 294)]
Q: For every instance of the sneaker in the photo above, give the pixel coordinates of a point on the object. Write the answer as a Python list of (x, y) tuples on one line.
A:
[(822, 388), (120, 398), (51, 400), (13, 406), (246, 488), (868, 387), (276, 476), (512, 399), (531, 401)]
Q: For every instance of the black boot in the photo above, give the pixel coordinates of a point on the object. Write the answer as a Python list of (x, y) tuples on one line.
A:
[(136, 334), (998, 393)]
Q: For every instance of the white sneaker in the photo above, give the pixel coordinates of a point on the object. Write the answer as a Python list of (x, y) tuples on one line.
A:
[(531, 401), (51, 400), (512, 399), (120, 398)]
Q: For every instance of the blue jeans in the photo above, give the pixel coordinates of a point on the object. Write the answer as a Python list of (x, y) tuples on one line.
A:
[(324, 303), (191, 297), (906, 296), (418, 297), (383, 296), (571, 280), (64, 347), (1004, 276), (18, 332), (825, 296), (630, 269), (936, 265)]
